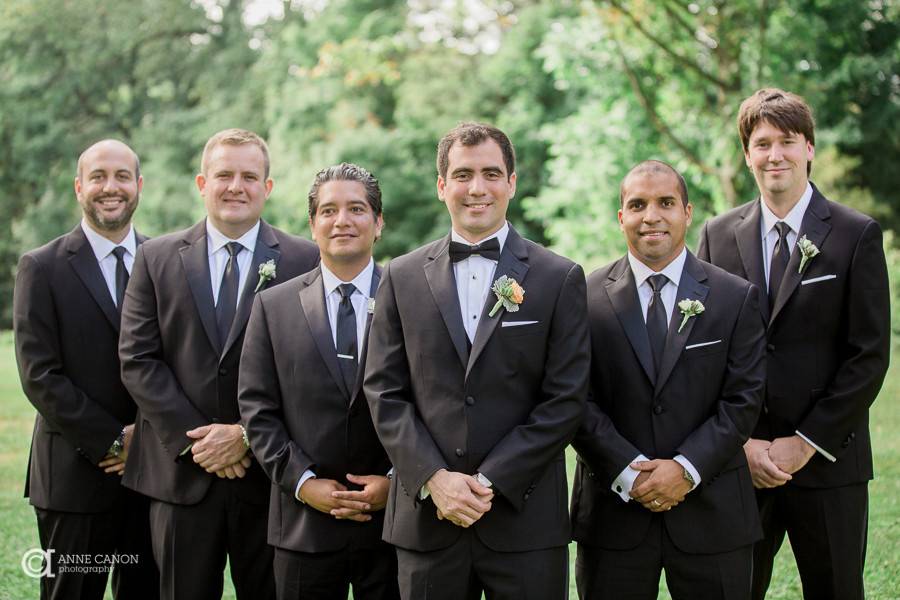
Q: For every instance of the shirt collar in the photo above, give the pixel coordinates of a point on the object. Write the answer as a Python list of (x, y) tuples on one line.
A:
[(217, 239), (672, 270), (794, 218), (102, 247), (501, 236), (363, 281)]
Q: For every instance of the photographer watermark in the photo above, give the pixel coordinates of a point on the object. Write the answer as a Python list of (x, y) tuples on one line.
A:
[(42, 563)]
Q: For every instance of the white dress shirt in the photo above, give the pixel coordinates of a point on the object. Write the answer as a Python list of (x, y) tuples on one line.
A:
[(625, 481), (474, 278), (218, 257), (360, 301), (103, 251), (769, 234)]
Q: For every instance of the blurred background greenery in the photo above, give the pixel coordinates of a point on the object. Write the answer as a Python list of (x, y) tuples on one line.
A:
[(584, 89)]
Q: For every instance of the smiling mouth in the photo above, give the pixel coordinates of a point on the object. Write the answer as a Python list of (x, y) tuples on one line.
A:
[(654, 235), (478, 205)]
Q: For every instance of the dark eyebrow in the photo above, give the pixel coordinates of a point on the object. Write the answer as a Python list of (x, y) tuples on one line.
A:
[(461, 171)]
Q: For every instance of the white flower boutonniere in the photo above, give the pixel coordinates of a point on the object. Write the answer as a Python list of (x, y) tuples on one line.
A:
[(808, 250), (266, 273), (689, 308), (370, 306), (509, 295)]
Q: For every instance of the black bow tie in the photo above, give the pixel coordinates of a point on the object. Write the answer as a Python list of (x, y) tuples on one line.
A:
[(489, 249)]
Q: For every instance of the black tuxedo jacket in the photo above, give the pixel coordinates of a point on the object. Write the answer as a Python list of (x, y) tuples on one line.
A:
[(506, 409), (171, 358), (828, 336), (67, 331), (702, 404), (300, 415)]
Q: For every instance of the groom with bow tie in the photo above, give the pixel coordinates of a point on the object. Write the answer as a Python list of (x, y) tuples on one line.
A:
[(476, 376)]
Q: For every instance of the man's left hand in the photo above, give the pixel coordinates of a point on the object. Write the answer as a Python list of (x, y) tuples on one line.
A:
[(664, 488), (374, 494), (217, 446), (790, 454)]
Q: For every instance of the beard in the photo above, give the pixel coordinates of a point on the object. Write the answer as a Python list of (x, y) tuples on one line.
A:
[(102, 222)]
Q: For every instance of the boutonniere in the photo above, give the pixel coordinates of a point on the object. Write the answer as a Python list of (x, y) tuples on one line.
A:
[(808, 251), (266, 273), (370, 306), (689, 308), (509, 295)]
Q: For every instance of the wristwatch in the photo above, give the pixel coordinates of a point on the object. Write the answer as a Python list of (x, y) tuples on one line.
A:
[(688, 477)]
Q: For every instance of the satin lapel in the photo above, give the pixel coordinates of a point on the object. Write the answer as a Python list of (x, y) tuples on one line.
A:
[(514, 264), (748, 235), (622, 292), (85, 265), (815, 227), (266, 249), (312, 300), (361, 363), (689, 288), (195, 260), (442, 283)]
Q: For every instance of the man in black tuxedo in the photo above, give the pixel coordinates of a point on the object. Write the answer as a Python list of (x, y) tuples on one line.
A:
[(828, 334), (677, 373), (183, 324), (300, 394), (66, 307), (476, 393)]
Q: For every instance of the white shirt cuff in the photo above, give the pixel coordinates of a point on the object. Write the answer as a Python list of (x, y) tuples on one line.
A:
[(684, 462), (307, 474), (423, 492), (818, 449), (625, 481)]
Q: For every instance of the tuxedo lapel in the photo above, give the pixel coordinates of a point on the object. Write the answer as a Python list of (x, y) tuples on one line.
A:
[(689, 288), (442, 283), (84, 263), (195, 260), (622, 292), (361, 363), (266, 249), (514, 264), (312, 301), (748, 235), (816, 228)]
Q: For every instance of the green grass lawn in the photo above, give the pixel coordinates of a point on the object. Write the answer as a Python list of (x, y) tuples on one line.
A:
[(18, 532)]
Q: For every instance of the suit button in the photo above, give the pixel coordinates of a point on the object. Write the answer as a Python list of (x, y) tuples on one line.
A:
[(470, 400), (770, 347), (526, 496), (853, 435), (658, 409), (223, 371), (460, 452)]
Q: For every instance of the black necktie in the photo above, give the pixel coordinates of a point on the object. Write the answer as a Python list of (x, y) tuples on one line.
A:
[(656, 318), (780, 256), (228, 292), (121, 276), (488, 249), (346, 335)]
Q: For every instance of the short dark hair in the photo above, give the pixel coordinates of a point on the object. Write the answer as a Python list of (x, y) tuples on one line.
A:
[(473, 134), (654, 166), (786, 111), (345, 172)]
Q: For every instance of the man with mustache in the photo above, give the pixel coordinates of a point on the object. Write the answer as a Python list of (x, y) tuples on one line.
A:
[(66, 314), (182, 330)]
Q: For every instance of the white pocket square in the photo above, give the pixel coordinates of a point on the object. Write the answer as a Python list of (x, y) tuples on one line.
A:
[(516, 323), (701, 344), (818, 279)]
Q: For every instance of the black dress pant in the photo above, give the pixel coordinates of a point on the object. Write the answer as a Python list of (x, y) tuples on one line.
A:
[(86, 546), (827, 529), (634, 574), (191, 544), (328, 575)]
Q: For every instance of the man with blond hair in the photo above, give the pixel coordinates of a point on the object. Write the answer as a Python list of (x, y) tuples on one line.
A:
[(183, 325)]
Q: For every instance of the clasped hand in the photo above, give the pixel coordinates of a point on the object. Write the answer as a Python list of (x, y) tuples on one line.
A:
[(333, 498), (459, 498), (773, 463), (660, 485), (219, 448)]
